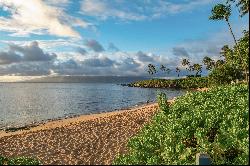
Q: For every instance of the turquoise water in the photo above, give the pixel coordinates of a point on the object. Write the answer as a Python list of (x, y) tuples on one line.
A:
[(26, 103)]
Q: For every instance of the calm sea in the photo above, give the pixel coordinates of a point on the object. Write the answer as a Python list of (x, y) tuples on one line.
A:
[(26, 103)]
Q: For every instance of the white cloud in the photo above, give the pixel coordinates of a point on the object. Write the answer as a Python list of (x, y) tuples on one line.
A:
[(37, 17), (61, 3), (11, 78), (103, 9), (65, 56), (166, 7), (50, 45), (137, 10)]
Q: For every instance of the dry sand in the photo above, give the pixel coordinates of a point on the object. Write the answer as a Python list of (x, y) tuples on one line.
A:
[(88, 139)]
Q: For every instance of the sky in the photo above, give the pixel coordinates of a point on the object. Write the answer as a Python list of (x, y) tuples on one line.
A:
[(108, 37)]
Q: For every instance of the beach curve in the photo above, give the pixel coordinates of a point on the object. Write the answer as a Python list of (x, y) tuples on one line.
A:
[(87, 139)]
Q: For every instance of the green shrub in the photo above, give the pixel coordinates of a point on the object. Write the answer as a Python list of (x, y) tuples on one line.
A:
[(19, 161), (162, 102), (215, 122), (3, 160), (224, 74)]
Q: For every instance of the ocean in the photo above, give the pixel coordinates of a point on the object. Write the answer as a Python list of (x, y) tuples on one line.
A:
[(30, 103)]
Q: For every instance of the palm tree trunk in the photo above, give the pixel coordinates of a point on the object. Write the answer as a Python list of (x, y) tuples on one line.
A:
[(246, 75), (236, 45), (230, 28)]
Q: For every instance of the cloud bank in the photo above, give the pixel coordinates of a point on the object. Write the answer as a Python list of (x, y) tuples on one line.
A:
[(30, 53), (34, 61), (37, 17), (94, 45)]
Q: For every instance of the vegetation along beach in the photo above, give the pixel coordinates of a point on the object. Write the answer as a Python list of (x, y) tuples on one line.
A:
[(106, 82)]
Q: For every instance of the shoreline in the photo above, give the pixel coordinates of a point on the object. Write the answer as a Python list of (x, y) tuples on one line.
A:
[(42, 122), (27, 127), (94, 139), (62, 122)]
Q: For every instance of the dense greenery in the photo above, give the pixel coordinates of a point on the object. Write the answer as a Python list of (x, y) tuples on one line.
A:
[(216, 122), (18, 161), (233, 67), (192, 82), (224, 74)]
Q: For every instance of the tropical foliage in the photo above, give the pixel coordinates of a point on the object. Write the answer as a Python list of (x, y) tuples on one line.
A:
[(224, 74), (209, 63), (215, 122), (233, 67), (195, 67), (186, 63), (183, 83)]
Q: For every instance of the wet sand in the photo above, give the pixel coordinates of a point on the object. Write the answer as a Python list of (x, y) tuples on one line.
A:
[(88, 139)]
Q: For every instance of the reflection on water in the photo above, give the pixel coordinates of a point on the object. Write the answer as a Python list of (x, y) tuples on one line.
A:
[(24, 103)]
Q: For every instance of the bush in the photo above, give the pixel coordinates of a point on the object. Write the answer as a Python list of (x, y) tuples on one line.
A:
[(162, 102), (224, 74), (215, 122), (19, 161)]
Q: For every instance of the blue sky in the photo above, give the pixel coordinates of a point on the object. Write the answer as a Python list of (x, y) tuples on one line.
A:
[(108, 37)]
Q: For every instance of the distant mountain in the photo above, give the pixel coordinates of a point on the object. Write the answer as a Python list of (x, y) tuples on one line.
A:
[(88, 79)]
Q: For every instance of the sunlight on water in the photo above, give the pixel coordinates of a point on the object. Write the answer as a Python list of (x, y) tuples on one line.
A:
[(24, 103)]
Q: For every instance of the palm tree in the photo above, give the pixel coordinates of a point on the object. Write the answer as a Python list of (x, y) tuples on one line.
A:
[(164, 69), (151, 69), (208, 62), (198, 68), (243, 6), (185, 62), (226, 52), (243, 45), (168, 70), (177, 70), (223, 12)]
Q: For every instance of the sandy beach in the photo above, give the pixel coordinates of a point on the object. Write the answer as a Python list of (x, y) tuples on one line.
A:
[(87, 139)]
